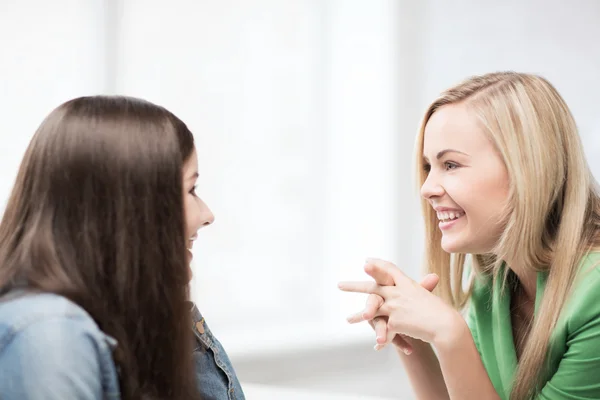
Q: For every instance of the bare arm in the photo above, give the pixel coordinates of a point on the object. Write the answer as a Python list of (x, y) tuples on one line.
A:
[(463, 371), (457, 372), (423, 370)]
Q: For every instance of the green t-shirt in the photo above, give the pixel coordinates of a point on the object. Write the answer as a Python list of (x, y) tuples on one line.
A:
[(574, 355)]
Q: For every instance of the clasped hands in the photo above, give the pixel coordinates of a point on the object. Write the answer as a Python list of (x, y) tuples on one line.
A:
[(400, 309)]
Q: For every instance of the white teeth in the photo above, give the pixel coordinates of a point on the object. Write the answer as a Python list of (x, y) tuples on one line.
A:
[(446, 216)]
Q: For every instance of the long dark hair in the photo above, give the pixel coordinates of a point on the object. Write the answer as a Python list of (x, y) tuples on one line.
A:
[(96, 215)]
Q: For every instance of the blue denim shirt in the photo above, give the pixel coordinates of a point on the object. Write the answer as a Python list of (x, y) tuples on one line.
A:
[(51, 349), (214, 373)]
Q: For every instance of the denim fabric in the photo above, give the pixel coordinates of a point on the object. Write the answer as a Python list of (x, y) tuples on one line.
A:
[(51, 349)]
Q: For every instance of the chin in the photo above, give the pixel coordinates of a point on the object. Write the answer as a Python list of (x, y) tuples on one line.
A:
[(453, 246)]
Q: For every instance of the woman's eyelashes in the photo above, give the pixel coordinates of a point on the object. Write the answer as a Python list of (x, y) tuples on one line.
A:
[(446, 165), (193, 190), (450, 165)]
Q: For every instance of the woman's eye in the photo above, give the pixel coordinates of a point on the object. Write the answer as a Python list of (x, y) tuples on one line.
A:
[(193, 190), (426, 167), (449, 165)]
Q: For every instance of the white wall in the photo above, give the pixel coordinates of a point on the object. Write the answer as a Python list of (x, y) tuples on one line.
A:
[(295, 114), (304, 113), (552, 38), (49, 53), (247, 78)]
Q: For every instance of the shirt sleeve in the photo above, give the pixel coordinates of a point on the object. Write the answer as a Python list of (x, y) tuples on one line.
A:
[(578, 373), (53, 359)]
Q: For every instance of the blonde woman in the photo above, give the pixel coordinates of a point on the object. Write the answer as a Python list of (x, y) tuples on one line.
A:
[(511, 219)]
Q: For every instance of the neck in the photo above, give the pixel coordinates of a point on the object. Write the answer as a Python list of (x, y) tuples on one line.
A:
[(527, 278)]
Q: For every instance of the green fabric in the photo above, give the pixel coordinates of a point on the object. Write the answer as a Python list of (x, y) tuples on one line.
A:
[(574, 352)]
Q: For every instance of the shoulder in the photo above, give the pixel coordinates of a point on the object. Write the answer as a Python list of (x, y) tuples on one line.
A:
[(586, 285), (25, 312), (52, 340), (583, 307)]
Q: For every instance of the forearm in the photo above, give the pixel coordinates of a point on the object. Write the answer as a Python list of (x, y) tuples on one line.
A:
[(464, 373), (423, 370)]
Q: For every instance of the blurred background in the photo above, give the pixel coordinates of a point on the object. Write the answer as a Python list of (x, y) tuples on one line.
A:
[(304, 113)]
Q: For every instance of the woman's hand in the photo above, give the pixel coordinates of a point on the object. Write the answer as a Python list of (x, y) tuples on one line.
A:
[(379, 324), (399, 307)]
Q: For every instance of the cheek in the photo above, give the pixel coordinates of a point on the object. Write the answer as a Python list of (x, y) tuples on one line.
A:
[(195, 213), (189, 211), (485, 206), (483, 188), (481, 195)]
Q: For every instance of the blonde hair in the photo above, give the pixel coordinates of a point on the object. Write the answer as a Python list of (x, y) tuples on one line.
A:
[(553, 213)]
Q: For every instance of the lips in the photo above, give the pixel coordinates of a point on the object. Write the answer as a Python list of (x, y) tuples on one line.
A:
[(191, 241), (190, 245)]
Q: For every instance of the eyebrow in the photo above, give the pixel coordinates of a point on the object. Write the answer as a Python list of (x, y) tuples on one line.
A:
[(441, 153)]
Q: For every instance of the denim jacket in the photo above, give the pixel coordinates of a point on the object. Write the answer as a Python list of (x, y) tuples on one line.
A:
[(214, 373), (51, 349)]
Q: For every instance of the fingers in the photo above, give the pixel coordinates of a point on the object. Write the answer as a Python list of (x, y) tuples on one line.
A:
[(355, 318), (383, 271), (380, 326), (385, 337), (381, 276), (376, 305), (383, 311), (430, 281), (368, 313), (373, 303), (387, 277), (387, 274), (360, 287), (403, 344)]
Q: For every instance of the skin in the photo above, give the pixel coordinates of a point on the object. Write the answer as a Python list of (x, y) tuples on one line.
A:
[(197, 213), (466, 174), (468, 186)]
